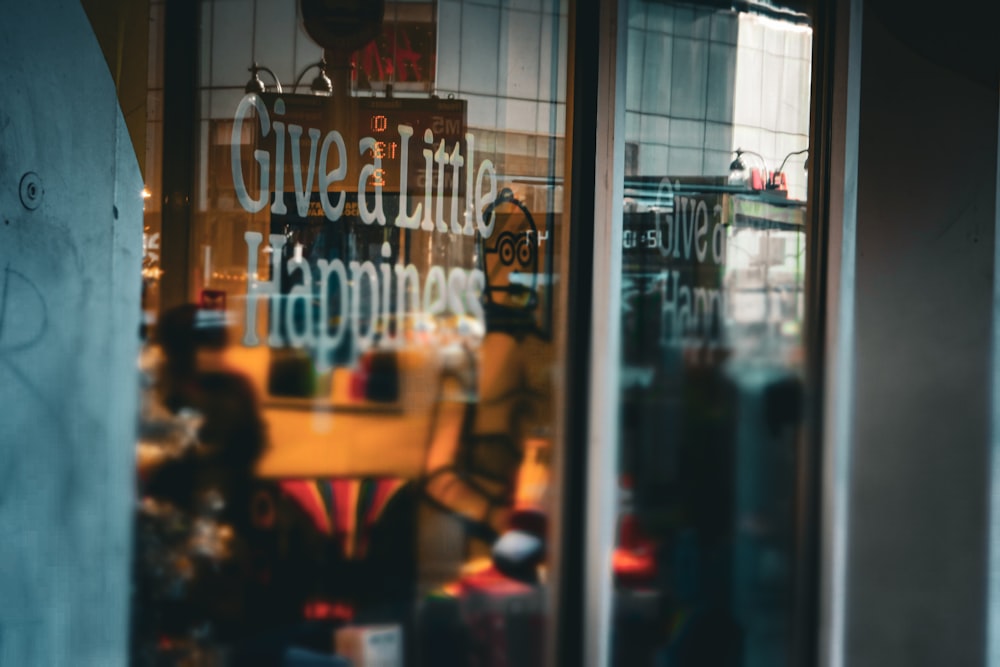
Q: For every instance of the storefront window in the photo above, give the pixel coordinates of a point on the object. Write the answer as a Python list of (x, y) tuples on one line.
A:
[(717, 128), (348, 426)]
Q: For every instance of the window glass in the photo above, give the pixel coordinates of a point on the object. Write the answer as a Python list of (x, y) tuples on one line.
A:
[(717, 126), (347, 427)]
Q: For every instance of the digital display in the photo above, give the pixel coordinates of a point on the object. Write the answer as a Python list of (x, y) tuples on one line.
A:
[(380, 118), (364, 149)]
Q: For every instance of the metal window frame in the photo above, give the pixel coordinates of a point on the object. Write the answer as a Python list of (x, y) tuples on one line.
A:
[(596, 158)]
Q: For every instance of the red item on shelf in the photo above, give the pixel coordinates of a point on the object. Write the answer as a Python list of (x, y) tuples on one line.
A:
[(322, 610), (633, 561)]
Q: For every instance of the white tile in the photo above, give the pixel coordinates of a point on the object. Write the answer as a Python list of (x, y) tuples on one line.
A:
[(749, 66), (561, 68), (687, 133), (774, 39), (793, 110), (519, 69), (548, 39), (503, 31), (717, 163), (721, 82), (231, 43), (448, 42), (771, 91), (725, 27), (657, 74), (223, 103), (692, 23), (655, 129), (793, 45), (689, 78), (765, 146), (632, 124), (517, 115), (652, 160), (482, 110), (751, 32), (551, 119), (634, 69), (799, 45), (747, 138), (719, 137), (275, 22), (480, 42), (636, 13), (684, 161), (659, 18)]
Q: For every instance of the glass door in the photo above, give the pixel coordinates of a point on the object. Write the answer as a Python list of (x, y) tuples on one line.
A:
[(712, 309)]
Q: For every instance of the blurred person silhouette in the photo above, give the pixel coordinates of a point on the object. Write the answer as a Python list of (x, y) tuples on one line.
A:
[(260, 557), (230, 435), (211, 481)]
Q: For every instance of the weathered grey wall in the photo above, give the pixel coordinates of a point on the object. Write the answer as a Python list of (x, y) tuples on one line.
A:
[(69, 315), (916, 577)]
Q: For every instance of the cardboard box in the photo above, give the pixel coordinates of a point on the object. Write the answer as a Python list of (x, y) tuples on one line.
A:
[(371, 645)]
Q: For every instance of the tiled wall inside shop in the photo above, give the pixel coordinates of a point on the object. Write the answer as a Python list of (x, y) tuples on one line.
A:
[(702, 83), (509, 62), (506, 58)]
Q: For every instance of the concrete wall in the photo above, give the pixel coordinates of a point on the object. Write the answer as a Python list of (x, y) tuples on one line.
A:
[(917, 523), (69, 313)]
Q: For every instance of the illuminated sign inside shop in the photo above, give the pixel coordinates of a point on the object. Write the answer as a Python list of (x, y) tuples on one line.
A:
[(380, 117)]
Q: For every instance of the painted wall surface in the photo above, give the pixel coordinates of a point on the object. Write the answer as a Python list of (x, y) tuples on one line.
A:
[(916, 592), (70, 249)]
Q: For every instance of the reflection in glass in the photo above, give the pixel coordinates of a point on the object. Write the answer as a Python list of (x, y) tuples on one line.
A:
[(717, 109)]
